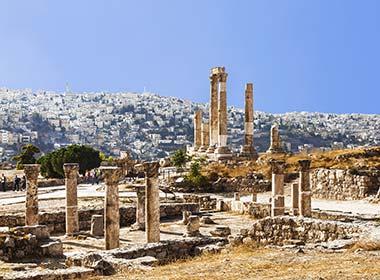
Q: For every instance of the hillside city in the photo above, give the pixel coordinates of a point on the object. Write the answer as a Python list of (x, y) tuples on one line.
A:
[(150, 126)]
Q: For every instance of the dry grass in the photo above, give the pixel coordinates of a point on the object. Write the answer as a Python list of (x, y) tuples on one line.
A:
[(259, 263), (339, 159)]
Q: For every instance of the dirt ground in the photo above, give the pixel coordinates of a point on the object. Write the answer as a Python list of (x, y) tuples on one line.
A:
[(247, 262)]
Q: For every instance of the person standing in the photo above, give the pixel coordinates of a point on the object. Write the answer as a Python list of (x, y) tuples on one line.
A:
[(3, 182), (23, 183), (16, 183)]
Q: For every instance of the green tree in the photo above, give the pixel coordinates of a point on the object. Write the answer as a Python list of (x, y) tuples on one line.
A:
[(52, 163), (179, 158), (26, 156)]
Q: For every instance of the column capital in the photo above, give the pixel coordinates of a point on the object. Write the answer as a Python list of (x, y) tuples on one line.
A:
[(277, 166), (71, 169), (31, 170), (151, 169), (112, 174), (304, 164)]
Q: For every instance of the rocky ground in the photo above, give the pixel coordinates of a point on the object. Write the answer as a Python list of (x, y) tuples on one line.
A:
[(248, 262)]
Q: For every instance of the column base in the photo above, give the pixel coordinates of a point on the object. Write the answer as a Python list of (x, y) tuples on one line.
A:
[(277, 211), (223, 153), (210, 150), (275, 151), (248, 152)]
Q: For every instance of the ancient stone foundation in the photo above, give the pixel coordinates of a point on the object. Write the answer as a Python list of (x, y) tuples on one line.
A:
[(278, 230)]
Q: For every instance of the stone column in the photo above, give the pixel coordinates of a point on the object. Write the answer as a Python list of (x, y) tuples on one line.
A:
[(31, 202), (205, 137), (152, 202), (197, 130), (275, 141), (111, 207), (278, 200), (295, 197), (248, 149), (213, 112), (304, 188), (222, 150), (71, 174), (140, 209)]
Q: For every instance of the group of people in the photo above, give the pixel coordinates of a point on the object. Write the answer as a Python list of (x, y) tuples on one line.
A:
[(93, 177), (19, 183)]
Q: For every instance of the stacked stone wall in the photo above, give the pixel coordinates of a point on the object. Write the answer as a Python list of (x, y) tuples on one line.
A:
[(279, 229), (26, 242), (205, 201), (344, 184), (55, 221)]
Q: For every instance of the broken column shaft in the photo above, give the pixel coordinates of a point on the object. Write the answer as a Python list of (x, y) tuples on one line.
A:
[(213, 113), (152, 202), (278, 199), (31, 202), (304, 189), (71, 183), (111, 208)]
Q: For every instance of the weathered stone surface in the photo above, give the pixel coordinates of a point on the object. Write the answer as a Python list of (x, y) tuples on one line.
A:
[(304, 203), (111, 205), (31, 202), (207, 221), (140, 210), (277, 230), (192, 227), (185, 217), (275, 141), (72, 219), (197, 130), (221, 231), (340, 184), (97, 225), (278, 202), (49, 274), (248, 149), (294, 193)]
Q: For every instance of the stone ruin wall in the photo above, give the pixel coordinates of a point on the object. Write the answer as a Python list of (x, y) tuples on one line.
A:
[(343, 184), (280, 229), (28, 241), (55, 221)]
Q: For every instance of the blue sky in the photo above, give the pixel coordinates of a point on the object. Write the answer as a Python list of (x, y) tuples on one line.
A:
[(320, 55)]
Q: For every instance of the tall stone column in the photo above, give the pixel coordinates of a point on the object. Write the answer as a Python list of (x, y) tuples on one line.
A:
[(222, 150), (71, 174), (278, 199), (294, 193), (152, 201), (31, 202), (213, 112), (248, 149), (140, 209), (205, 137), (304, 188), (111, 207), (197, 130)]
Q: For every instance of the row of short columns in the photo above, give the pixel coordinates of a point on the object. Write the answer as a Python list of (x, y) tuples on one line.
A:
[(148, 205), (300, 192)]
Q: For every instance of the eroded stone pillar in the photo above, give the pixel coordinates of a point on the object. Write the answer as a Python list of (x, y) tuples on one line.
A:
[(152, 202), (140, 210), (205, 137), (71, 174), (197, 130), (31, 202), (304, 188), (222, 150), (213, 112), (275, 140), (112, 176), (278, 199), (248, 149), (294, 193)]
